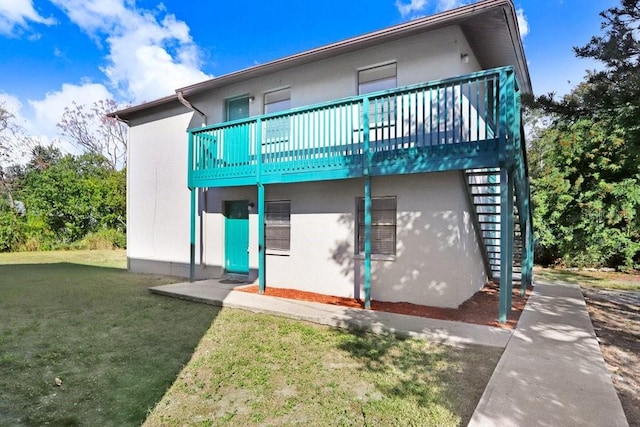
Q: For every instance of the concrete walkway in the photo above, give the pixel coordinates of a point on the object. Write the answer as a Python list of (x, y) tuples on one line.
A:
[(551, 373), (444, 331)]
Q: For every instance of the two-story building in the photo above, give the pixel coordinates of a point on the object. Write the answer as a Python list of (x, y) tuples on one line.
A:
[(390, 166)]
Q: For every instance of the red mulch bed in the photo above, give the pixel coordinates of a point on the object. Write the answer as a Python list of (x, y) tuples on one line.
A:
[(480, 309)]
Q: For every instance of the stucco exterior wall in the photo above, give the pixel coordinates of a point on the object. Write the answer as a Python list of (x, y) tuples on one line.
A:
[(420, 58), (438, 260), (157, 194)]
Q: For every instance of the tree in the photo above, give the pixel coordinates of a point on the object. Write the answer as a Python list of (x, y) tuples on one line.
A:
[(14, 144), (585, 166), (75, 195), (92, 131)]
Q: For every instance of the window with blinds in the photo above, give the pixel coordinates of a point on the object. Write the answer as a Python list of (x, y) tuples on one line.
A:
[(377, 78), (383, 225), (278, 225)]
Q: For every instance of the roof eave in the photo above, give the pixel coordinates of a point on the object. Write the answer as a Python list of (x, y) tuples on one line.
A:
[(450, 17)]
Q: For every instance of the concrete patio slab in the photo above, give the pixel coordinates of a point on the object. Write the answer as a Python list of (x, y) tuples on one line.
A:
[(453, 333)]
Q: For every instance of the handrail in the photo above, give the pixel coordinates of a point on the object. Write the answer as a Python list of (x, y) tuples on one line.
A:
[(455, 116), (351, 99)]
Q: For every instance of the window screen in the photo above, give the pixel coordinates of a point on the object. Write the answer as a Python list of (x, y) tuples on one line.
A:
[(377, 78), (383, 225), (278, 100), (278, 225)]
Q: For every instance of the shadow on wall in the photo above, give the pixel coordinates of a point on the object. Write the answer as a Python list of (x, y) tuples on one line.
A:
[(437, 261)]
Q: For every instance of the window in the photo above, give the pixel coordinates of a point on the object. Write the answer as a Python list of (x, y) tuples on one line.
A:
[(383, 225), (377, 78), (277, 128), (278, 225), (278, 100), (238, 108)]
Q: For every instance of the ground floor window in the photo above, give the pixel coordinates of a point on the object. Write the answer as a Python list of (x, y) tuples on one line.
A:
[(278, 225), (383, 225)]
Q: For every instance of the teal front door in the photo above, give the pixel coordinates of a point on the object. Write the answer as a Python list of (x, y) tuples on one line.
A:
[(236, 236)]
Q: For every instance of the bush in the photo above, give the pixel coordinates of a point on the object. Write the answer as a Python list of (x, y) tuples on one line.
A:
[(103, 239), (11, 232)]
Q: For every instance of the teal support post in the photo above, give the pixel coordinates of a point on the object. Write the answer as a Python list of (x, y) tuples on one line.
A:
[(506, 243), (192, 237), (262, 260), (531, 251), (367, 203), (261, 240), (527, 254), (367, 242), (192, 211)]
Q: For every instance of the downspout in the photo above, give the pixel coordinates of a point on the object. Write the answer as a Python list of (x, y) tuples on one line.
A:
[(187, 104)]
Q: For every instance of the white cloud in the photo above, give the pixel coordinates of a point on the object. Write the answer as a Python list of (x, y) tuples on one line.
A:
[(523, 24), (151, 53), (412, 8), (17, 13), (417, 8), (10, 103), (443, 5), (48, 111)]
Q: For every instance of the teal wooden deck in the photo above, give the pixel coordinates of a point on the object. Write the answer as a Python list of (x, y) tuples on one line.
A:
[(470, 123)]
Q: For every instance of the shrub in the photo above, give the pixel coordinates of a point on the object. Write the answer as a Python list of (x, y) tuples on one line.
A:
[(103, 239)]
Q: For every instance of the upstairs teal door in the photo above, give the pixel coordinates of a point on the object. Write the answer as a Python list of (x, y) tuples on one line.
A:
[(236, 137), (236, 236)]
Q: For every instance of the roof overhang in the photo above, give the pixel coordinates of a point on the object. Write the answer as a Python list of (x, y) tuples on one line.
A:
[(491, 28)]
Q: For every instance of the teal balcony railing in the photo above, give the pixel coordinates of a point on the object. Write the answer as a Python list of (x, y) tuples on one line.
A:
[(459, 123), (471, 123)]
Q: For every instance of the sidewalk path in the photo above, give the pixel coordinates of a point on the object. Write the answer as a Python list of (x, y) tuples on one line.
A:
[(552, 372), (453, 333)]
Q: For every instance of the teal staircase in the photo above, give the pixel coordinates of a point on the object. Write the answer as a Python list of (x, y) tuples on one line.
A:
[(483, 187)]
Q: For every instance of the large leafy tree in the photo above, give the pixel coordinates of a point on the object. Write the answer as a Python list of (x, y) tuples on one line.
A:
[(585, 166), (74, 195)]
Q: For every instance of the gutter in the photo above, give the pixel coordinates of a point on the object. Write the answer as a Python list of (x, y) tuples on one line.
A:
[(120, 119), (187, 104)]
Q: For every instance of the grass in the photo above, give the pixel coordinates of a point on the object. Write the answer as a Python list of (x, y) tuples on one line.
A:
[(257, 369), (80, 317), (590, 279)]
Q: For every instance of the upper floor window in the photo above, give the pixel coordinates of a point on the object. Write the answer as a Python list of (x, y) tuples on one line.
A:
[(278, 100), (377, 78)]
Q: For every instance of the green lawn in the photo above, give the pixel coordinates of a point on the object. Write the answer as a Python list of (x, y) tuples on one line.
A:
[(80, 317), (267, 371), (590, 279)]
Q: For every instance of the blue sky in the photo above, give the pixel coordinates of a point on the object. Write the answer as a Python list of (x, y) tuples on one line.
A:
[(53, 52)]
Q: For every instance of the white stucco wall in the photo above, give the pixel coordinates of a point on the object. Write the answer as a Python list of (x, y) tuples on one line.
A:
[(420, 58), (157, 195), (438, 261)]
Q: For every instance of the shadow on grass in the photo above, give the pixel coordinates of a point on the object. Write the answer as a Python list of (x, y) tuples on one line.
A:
[(434, 377), (616, 319), (113, 347)]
